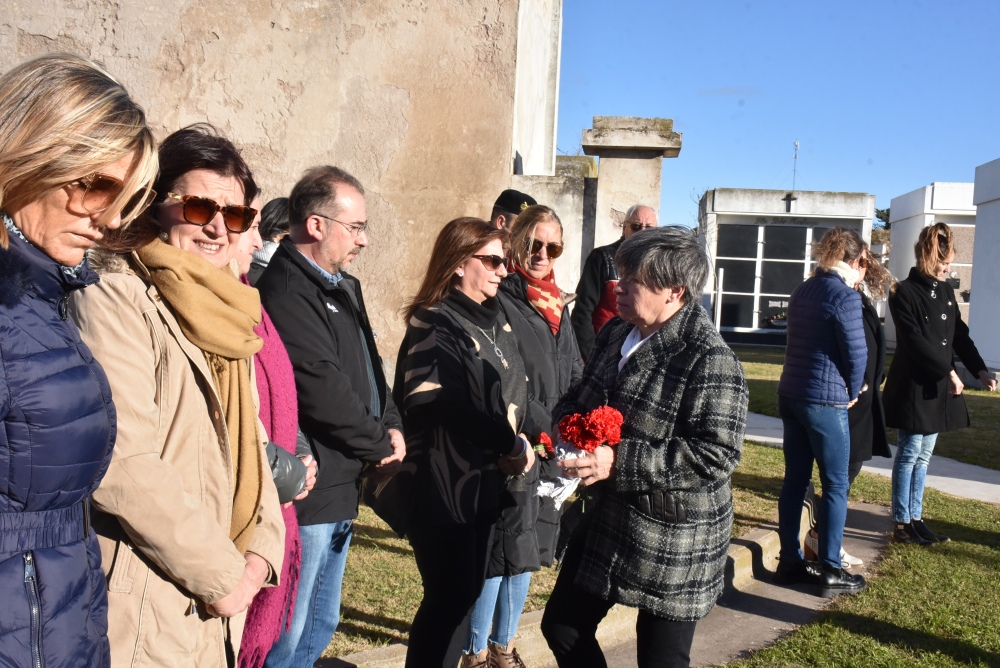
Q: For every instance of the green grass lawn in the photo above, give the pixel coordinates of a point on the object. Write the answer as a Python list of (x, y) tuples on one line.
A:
[(933, 606), (924, 607), (975, 445), (382, 587)]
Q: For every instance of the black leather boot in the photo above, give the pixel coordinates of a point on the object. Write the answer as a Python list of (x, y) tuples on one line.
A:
[(921, 529), (796, 572), (836, 581), (906, 533)]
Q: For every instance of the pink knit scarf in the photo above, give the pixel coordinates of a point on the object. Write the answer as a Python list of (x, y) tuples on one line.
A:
[(272, 607)]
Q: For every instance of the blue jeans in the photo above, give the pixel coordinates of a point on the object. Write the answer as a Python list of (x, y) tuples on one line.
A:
[(909, 472), (317, 603), (820, 433), (498, 608)]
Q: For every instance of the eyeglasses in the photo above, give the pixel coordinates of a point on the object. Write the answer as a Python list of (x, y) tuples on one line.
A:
[(100, 190), (552, 249), (639, 227), (355, 229), (201, 210), (493, 262)]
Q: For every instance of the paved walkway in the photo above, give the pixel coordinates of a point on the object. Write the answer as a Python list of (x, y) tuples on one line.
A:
[(943, 474), (753, 612)]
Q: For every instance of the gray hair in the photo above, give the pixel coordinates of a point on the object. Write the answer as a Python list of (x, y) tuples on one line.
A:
[(665, 257), (632, 209)]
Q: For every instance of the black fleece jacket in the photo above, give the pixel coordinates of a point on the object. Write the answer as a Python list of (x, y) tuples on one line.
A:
[(326, 330)]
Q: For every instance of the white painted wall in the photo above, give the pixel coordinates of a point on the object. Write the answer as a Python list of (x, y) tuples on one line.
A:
[(985, 318), (536, 95)]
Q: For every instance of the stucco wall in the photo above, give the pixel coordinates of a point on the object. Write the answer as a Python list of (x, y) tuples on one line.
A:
[(414, 97)]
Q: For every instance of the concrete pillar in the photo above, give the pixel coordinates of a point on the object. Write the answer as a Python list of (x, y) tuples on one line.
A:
[(631, 152), (985, 318)]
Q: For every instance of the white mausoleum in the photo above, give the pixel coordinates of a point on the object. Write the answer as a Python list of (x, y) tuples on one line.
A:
[(762, 240), (949, 203)]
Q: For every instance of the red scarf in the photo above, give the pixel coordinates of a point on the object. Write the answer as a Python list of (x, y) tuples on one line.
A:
[(543, 294)]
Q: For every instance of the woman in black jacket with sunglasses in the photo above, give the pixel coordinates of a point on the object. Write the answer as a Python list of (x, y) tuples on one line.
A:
[(460, 384)]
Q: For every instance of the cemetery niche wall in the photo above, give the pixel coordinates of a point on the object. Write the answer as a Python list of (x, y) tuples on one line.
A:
[(762, 241)]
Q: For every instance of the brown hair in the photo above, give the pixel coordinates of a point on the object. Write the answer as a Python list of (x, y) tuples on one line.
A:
[(933, 245), (455, 244), (839, 244), (63, 117), (523, 231), (318, 187), (198, 146), (877, 277)]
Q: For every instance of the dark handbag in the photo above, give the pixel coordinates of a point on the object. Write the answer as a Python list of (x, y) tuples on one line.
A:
[(391, 497), (575, 520)]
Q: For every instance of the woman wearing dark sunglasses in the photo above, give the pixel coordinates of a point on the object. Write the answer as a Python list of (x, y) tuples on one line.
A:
[(526, 533), (188, 515), (460, 384), (74, 148)]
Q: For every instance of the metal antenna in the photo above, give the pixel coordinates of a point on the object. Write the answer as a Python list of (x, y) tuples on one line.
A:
[(795, 162)]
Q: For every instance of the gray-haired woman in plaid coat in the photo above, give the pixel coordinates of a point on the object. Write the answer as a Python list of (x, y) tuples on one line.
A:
[(658, 535)]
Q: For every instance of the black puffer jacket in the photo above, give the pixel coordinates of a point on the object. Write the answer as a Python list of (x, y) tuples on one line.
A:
[(529, 527)]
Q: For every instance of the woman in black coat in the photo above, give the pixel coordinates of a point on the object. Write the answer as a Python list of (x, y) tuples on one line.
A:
[(465, 407), (923, 394), (526, 533)]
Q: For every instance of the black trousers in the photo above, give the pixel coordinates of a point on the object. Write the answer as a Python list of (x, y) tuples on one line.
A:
[(452, 563), (571, 616)]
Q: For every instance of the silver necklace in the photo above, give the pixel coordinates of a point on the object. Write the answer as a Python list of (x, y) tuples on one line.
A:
[(496, 348)]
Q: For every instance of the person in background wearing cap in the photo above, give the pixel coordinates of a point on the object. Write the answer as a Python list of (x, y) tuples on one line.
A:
[(508, 206), (595, 296)]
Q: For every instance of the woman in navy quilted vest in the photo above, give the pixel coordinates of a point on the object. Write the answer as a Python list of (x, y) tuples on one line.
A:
[(76, 158), (825, 361)]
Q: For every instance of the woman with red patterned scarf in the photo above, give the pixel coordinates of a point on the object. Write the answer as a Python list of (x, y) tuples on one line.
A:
[(526, 533)]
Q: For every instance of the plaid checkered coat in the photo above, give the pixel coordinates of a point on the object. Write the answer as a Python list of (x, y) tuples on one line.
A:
[(684, 399)]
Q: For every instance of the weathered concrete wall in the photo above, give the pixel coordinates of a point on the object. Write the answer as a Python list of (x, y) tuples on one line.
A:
[(414, 97), (571, 193)]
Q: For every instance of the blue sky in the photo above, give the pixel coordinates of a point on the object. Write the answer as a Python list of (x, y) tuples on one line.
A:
[(884, 96)]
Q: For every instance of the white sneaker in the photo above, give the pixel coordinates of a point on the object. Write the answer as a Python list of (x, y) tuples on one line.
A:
[(849, 560), (846, 560)]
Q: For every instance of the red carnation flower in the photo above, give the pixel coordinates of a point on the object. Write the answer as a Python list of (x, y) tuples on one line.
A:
[(546, 441), (601, 425)]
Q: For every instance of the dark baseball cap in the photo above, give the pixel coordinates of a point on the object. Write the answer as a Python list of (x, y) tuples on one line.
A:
[(514, 201)]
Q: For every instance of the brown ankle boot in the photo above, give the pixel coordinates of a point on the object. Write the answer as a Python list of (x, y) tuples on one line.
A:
[(505, 657), (481, 660)]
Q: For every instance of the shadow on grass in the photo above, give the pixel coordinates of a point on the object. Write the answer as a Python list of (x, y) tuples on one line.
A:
[(887, 633), (766, 487), (380, 545), (352, 620)]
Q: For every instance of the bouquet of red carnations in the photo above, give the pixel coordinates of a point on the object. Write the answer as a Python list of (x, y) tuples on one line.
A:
[(578, 435)]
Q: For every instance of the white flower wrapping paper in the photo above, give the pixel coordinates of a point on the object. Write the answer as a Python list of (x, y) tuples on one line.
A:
[(562, 487)]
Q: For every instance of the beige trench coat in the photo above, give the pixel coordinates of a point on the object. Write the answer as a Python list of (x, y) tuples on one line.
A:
[(163, 510)]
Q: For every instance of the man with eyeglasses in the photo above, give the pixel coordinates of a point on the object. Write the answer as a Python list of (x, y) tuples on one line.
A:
[(595, 293), (509, 204), (345, 410)]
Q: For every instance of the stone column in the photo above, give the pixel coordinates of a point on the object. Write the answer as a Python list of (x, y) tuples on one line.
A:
[(631, 152)]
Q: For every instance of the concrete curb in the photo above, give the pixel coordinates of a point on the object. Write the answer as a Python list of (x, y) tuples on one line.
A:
[(751, 557)]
